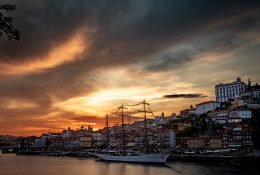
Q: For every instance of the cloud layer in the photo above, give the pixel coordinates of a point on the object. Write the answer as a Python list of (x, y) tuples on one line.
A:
[(75, 57)]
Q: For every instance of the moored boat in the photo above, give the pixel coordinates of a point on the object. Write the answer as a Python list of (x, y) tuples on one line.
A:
[(134, 157), (143, 158)]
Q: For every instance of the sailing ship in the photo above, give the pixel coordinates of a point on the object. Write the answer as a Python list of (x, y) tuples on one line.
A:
[(143, 158), (134, 157)]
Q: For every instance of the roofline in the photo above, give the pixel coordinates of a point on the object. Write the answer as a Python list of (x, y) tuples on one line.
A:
[(235, 82), (206, 102)]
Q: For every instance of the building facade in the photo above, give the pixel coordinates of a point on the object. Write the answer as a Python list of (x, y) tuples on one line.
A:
[(252, 95), (230, 91), (237, 138), (206, 107)]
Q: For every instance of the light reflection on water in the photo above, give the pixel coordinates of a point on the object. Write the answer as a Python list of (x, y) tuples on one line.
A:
[(10, 164)]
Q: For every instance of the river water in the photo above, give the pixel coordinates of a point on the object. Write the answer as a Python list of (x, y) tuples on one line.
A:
[(11, 164)]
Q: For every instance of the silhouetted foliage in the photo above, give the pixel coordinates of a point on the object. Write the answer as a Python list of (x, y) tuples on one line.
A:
[(201, 124), (188, 132), (6, 23)]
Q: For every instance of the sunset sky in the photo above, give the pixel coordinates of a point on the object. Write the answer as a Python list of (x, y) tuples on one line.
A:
[(78, 60)]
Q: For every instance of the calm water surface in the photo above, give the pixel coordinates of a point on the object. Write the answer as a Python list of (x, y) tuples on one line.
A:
[(10, 164)]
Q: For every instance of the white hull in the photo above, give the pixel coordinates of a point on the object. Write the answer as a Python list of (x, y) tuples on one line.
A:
[(145, 158)]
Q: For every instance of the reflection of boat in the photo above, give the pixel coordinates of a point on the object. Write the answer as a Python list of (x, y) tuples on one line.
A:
[(132, 156)]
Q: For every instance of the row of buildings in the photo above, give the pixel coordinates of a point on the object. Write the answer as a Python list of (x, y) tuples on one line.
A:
[(86, 138), (228, 124), (237, 93), (230, 119)]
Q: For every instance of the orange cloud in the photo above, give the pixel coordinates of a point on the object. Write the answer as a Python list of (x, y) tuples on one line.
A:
[(67, 52), (18, 104)]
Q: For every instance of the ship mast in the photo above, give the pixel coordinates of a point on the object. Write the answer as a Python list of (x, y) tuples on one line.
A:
[(145, 143), (107, 131), (123, 126)]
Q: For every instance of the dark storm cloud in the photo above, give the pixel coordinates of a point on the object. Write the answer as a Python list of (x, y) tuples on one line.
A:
[(43, 25), (152, 25), (127, 31), (185, 96), (221, 35), (170, 60)]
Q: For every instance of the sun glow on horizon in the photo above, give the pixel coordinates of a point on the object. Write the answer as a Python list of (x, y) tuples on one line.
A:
[(104, 101)]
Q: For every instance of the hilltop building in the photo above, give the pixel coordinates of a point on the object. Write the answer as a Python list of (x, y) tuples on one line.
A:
[(230, 91)]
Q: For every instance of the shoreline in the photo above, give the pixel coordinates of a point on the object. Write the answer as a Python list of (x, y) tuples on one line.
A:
[(245, 161)]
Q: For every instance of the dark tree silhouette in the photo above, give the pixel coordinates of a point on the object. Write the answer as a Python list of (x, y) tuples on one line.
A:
[(6, 23)]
